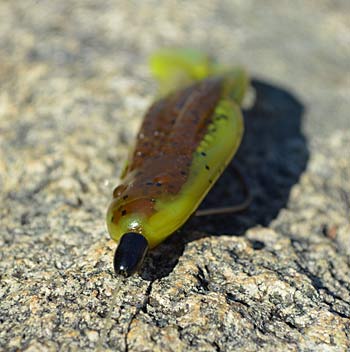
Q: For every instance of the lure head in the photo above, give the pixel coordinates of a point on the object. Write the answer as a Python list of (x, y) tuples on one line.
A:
[(130, 253)]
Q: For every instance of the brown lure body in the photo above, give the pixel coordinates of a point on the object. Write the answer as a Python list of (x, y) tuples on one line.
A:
[(171, 131)]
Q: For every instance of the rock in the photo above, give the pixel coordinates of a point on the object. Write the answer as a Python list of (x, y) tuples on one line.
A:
[(74, 86)]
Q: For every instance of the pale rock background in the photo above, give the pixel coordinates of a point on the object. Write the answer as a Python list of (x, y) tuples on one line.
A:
[(74, 86)]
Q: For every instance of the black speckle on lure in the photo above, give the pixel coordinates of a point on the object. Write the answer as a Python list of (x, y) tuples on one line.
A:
[(185, 141)]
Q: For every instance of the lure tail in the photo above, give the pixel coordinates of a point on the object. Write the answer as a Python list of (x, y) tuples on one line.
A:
[(177, 68), (236, 84)]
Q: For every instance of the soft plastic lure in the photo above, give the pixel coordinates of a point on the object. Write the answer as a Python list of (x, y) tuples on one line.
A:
[(186, 140)]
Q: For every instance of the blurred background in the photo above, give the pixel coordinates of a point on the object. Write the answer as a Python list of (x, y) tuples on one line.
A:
[(75, 82)]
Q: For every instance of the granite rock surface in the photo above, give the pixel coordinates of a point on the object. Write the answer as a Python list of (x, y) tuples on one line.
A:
[(74, 86)]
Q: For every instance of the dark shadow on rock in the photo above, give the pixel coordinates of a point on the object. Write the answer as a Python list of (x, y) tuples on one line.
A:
[(272, 156)]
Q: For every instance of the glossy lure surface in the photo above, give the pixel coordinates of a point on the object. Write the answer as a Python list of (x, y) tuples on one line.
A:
[(187, 138)]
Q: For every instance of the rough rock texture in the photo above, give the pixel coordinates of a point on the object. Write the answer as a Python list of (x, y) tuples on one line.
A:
[(74, 86)]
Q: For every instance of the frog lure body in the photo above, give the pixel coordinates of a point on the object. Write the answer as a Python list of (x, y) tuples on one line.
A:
[(188, 137)]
